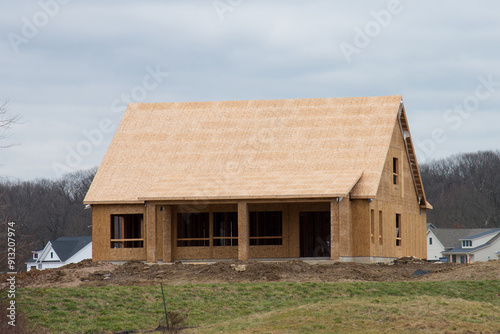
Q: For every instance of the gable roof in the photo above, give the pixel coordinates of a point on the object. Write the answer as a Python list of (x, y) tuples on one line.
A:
[(307, 148), (449, 237), (66, 247)]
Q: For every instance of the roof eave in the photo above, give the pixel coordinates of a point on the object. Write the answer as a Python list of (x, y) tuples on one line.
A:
[(244, 198), (113, 202)]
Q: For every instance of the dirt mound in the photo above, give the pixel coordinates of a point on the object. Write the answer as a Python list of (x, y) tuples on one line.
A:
[(469, 272), (409, 259), (88, 273), (66, 276), (82, 264)]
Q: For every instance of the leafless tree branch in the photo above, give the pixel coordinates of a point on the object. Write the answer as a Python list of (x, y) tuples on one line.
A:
[(6, 122)]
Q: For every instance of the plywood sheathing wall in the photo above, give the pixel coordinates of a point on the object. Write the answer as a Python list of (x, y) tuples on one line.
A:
[(334, 229), (346, 228), (360, 232), (398, 199), (352, 241), (167, 221), (159, 232), (101, 233), (243, 231)]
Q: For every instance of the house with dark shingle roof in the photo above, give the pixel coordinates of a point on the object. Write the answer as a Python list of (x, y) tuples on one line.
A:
[(482, 246), (60, 252), (462, 245)]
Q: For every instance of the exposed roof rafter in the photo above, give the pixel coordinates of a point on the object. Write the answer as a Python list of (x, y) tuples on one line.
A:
[(412, 158)]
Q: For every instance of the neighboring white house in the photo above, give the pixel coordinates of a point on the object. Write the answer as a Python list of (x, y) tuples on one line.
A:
[(462, 245), (60, 252), (478, 247), (444, 239)]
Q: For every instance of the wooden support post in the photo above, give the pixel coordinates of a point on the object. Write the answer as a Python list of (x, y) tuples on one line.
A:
[(167, 233), (243, 232), (334, 230), (150, 232)]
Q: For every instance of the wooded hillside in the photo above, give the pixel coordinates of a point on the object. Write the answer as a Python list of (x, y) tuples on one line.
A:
[(464, 190), (44, 210)]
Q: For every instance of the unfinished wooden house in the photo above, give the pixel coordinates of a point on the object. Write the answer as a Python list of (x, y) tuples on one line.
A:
[(334, 178)]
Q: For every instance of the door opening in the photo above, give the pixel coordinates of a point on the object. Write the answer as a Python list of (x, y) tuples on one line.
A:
[(315, 234)]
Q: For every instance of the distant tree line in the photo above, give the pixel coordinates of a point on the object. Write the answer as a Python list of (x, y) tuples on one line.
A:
[(464, 190), (44, 210)]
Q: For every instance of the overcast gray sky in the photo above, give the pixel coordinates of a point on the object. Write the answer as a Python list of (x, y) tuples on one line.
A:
[(68, 68)]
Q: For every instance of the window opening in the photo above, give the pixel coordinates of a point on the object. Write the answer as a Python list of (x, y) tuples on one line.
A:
[(193, 229), (380, 228), (225, 229), (266, 228), (126, 231), (372, 225), (398, 229), (395, 171)]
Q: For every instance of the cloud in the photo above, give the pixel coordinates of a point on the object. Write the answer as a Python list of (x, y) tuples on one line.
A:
[(65, 79)]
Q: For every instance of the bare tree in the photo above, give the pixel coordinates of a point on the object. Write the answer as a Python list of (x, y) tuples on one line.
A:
[(6, 122), (464, 190), (23, 241), (45, 209)]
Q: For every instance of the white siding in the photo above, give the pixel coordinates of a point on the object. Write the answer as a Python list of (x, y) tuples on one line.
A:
[(45, 255), (487, 253), (480, 241), (83, 254), (49, 265), (434, 250)]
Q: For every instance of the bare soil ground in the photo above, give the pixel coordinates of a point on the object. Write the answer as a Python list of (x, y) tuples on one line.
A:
[(88, 273)]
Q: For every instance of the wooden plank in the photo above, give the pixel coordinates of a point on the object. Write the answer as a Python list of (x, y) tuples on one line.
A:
[(243, 231), (193, 239), (150, 233), (167, 233), (159, 233), (257, 238)]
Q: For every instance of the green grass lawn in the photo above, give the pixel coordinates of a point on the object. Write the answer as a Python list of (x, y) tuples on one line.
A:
[(271, 307)]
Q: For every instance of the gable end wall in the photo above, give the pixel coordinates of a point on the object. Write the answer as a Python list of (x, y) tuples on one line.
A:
[(391, 200)]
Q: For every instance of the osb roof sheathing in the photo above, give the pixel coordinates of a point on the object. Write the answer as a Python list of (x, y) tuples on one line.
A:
[(307, 148)]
